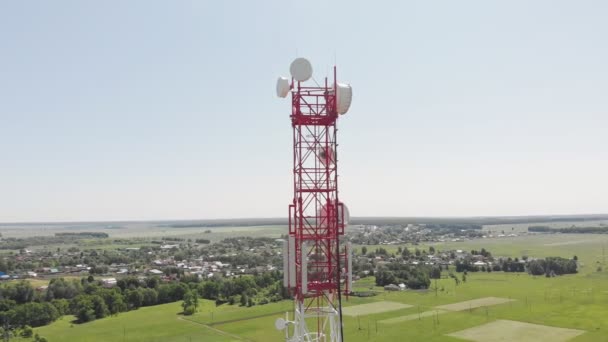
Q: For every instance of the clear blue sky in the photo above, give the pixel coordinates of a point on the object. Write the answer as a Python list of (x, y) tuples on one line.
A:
[(166, 109)]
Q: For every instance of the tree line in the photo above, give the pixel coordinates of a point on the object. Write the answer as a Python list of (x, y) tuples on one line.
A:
[(414, 277), (87, 299), (569, 230)]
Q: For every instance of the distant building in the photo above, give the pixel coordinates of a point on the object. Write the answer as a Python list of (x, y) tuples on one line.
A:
[(392, 287), (169, 246), (108, 282)]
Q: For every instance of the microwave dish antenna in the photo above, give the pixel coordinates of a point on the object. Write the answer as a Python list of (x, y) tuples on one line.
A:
[(283, 87), (345, 97), (301, 69)]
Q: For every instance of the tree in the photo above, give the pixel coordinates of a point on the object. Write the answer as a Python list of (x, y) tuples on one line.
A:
[(244, 300), (364, 250), (435, 273), (209, 289), (153, 282), (34, 314), (60, 288), (27, 331), (135, 298), (150, 297), (24, 292), (190, 302), (83, 308), (100, 307), (62, 306), (431, 250), (38, 338)]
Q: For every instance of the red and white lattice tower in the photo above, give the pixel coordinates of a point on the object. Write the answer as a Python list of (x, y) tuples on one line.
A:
[(316, 264)]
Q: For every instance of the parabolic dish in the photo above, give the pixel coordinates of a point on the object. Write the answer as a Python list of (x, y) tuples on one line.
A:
[(326, 155), (301, 69), (346, 215), (280, 324), (282, 87), (345, 97)]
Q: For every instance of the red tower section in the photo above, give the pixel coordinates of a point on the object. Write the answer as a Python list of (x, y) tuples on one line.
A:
[(316, 268)]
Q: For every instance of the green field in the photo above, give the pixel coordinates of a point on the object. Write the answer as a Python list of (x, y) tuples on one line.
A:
[(574, 302)]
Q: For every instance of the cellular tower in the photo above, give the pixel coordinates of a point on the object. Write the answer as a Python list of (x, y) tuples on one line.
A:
[(316, 263)]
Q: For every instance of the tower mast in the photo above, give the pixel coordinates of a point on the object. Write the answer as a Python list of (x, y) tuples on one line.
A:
[(315, 263)]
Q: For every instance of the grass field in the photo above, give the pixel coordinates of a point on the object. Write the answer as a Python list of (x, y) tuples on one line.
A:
[(577, 302), (502, 330), (158, 323), (373, 308), (474, 304)]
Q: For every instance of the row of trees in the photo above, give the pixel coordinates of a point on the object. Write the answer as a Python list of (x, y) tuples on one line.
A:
[(552, 266), (414, 277), (569, 230), (88, 299)]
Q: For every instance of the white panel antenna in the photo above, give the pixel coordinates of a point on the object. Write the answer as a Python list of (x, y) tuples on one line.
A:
[(345, 97), (285, 264), (304, 269), (349, 256), (292, 261), (345, 215), (283, 87)]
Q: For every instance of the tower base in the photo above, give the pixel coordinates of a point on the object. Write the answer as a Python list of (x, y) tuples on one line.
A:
[(329, 331)]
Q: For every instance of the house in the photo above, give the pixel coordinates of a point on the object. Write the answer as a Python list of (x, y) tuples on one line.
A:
[(155, 272), (392, 287), (169, 246), (108, 282)]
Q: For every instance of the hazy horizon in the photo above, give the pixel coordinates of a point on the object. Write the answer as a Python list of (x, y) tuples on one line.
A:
[(575, 217), (120, 111)]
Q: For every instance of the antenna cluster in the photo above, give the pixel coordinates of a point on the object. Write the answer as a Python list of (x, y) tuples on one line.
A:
[(317, 265)]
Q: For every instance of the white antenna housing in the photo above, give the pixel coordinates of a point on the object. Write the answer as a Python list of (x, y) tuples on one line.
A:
[(345, 97), (285, 264), (346, 214), (292, 261), (349, 256), (283, 87), (304, 270), (301, 69)]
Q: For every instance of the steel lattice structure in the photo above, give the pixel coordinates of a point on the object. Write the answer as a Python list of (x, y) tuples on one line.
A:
[(316, 265)]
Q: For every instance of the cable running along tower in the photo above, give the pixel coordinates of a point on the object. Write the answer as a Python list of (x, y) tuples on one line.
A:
[(316, 266)]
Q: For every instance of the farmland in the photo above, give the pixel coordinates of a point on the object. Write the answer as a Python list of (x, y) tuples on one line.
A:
[(487, 303)]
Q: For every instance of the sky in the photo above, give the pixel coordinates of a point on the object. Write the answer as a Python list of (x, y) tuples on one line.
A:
[(143, 110)]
